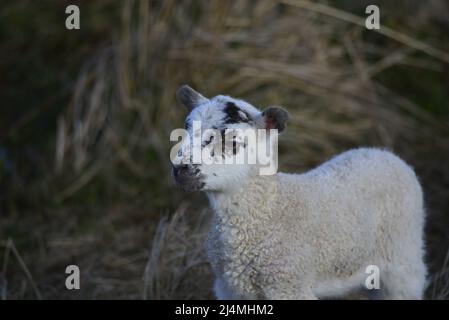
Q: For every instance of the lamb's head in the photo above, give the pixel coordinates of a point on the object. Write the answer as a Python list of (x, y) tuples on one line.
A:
[(227, 134)]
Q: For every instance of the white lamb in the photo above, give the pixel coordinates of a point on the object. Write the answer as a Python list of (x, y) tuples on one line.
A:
[(310, 235)]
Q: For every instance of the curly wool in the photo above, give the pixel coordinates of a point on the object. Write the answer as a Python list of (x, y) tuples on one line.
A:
[(312, 235)]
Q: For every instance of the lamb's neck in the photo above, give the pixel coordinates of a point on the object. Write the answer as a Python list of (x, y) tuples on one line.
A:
[(254, 199)]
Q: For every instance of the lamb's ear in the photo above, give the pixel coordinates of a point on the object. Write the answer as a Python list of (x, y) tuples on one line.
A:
[(275, 118), (189, 97)]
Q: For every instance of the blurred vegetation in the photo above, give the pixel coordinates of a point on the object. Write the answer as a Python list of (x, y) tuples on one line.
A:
[(86, 115)]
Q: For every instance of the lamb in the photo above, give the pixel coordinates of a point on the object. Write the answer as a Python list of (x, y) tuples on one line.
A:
[(309, 235)]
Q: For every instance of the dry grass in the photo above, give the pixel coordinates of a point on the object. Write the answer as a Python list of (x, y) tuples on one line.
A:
[(144, 238)]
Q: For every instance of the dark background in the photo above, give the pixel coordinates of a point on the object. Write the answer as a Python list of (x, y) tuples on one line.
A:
[(85, 118)]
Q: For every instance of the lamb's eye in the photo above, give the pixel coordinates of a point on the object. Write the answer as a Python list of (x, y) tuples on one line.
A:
[(208, 141)]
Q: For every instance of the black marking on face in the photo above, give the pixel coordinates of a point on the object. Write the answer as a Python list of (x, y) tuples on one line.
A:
[(229, 139), (208, 141), (223, 142), (234, 114)]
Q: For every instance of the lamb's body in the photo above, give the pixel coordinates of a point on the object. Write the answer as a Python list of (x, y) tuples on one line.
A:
[(294, 236), (303, 236)]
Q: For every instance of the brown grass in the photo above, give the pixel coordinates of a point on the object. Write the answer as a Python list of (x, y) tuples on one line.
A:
[(143, 238)]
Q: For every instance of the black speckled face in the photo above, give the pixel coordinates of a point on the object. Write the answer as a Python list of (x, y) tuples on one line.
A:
[(228, 118), (234, 114), (219, 113)]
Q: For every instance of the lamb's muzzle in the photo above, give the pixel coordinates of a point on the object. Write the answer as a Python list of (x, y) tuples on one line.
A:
[(187, 177)]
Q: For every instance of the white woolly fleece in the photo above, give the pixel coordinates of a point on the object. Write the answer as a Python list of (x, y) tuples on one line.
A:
[(312, 235)]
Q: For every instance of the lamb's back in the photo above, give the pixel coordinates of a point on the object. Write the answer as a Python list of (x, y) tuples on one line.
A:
[(353, 176)]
